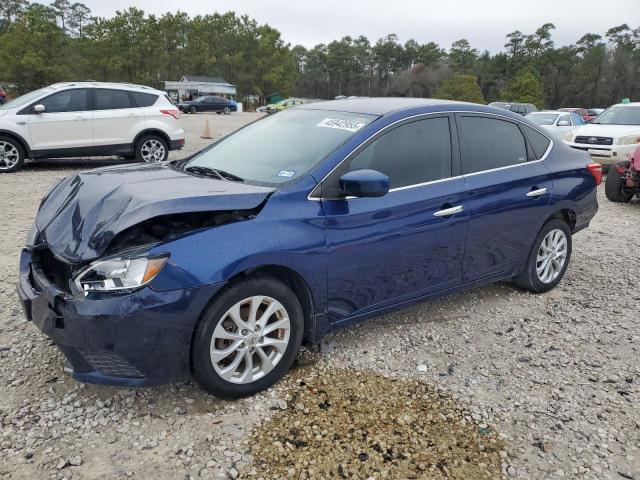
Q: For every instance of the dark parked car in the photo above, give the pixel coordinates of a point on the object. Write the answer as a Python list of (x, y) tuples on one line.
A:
[(210, 103), (221, 265), (521, 108)]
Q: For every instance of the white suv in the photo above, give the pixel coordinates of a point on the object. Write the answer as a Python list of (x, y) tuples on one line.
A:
[(89, 119)]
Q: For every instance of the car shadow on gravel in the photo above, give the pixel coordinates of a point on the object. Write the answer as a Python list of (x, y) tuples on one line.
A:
[(74, 163)]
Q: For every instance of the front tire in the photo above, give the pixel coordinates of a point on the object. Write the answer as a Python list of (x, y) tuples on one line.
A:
[(193, 110), (151, 149), (548, 259), (248, 338), (11, 155), (614, 187)]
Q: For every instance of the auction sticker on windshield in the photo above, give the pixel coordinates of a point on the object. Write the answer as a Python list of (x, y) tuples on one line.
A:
[(349, 125)]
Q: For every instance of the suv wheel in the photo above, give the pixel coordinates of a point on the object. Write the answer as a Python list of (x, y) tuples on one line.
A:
[(151, 149), (614, 186), (248, 338), (11, 155), (548, 259)]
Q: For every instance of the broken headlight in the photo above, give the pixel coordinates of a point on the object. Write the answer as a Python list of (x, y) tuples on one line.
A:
[(120, 273)]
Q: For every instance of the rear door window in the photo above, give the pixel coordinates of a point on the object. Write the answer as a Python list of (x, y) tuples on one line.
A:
[(76, 100), (112, 99), (539, 142), (489, 143)]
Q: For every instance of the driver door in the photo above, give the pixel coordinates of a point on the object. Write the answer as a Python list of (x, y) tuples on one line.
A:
[(66, 123), (408, 243)]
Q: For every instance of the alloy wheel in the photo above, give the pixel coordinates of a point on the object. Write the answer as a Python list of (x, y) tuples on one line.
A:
[(9, 156), (153, 151), (552, 255), (250, 339)]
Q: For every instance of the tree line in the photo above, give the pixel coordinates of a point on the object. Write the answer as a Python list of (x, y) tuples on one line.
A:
[(41, 44)]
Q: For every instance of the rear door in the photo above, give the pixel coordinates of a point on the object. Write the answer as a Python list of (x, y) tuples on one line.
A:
[(116, 120), (509, 191), (66, 122), (388, 249)]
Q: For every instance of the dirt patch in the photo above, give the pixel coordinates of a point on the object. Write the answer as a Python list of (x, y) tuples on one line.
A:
[(342, 423)]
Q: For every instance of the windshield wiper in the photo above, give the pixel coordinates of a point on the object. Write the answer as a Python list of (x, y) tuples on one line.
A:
[(214, 172)]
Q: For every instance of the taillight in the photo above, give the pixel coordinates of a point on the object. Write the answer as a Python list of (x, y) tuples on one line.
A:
[(173, 112), (595, 169)]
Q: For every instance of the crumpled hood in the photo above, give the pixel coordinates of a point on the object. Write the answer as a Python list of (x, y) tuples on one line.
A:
[(83, 213)]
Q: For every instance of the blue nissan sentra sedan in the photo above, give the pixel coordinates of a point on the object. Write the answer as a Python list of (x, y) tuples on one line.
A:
[(221, 265)]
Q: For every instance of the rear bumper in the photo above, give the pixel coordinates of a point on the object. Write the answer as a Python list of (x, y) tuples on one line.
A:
[(176, 144), (137, 339)]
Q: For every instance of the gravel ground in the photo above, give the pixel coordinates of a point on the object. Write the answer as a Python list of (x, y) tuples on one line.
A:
[(530, 387)]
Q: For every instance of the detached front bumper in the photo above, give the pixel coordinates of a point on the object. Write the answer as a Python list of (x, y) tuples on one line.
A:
[(138, 339), (605, 154)]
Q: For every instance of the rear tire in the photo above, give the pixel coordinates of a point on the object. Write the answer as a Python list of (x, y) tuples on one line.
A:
[(614, 187), (151, 149), (247, 344), (11, 155), (535, 277)]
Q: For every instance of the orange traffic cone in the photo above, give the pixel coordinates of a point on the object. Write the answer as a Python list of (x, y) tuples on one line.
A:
[(206, 134)]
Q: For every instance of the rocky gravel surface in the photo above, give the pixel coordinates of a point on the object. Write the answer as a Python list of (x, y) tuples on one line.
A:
[(532, 386)]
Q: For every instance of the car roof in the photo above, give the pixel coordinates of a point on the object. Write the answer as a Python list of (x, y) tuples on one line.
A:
[(378, 105), (114, 85), (548, 111)]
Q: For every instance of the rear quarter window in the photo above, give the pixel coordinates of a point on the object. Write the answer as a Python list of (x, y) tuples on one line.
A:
[(144, 99), (539, 142)]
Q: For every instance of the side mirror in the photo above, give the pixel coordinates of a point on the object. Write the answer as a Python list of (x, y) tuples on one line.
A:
[(39, 108), (364, 183), (564, 123)]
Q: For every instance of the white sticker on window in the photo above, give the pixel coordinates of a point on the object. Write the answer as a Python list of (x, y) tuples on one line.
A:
[(286, 173), (349, 125)]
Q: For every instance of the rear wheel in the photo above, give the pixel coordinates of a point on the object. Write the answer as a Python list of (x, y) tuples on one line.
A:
[(614, 187), (11, 155), (248, 338), (152, 149), (548, 259)]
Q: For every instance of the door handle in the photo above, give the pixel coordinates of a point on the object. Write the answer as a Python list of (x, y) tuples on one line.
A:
[(80, 119), (537, 193), (447, 212)]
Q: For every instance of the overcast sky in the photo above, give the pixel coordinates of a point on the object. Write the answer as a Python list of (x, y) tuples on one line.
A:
[(483, 22)]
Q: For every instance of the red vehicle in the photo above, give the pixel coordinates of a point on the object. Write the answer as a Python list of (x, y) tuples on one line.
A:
[(3, 96), (580, 111), (623, 180)]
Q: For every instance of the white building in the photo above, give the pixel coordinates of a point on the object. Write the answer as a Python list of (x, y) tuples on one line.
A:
[(196, 86)]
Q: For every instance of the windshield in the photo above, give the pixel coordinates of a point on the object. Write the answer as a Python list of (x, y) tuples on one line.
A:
[(619, 115), (543, 118), (281, 147), (26, 98)]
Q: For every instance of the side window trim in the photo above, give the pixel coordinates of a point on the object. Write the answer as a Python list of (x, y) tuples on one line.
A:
[(316, 194)]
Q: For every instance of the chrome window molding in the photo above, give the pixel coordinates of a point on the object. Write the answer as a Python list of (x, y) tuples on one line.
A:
[(420, 115)]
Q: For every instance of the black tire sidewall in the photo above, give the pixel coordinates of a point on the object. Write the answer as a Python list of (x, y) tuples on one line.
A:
[(138, 148), (203, 370), (533, 282), (613, 187), (21, 154)]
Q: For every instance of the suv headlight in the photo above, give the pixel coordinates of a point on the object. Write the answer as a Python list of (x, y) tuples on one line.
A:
[(629, 139), (120, 273), (568, 137)]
